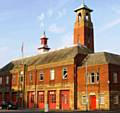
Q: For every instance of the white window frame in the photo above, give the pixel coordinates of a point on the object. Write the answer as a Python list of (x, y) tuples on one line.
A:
[(101, 99), (64, 74), (115, 77), (116, 99), (52, 74), (91, 78), (41, 74), (31, 77), (7, 80), (13, 78), (97, 78), (84, 102), (0, 80)]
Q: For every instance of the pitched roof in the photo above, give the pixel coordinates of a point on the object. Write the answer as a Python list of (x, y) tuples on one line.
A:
[(102, 58), (49, 57)]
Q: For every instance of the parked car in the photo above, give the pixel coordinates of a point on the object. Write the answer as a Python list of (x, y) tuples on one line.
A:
[(8, 105)]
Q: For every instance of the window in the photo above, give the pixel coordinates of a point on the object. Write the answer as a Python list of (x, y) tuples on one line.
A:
[(65, 73), (97, 78), (7, 79), (92, 78), (87, 16), (13, 79), (32, 98), (79, 17), (101, 99), (53, 97), (116, 99), (84, 100), (52, 74), (0, 80), (21, 78), (115, 78), (41, 76), (41, 97), (31, 77)]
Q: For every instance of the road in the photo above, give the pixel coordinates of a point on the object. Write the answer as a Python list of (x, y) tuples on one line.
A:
[(38, 111)]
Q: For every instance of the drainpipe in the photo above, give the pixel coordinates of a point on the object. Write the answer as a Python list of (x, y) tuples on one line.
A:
[(35, 104)]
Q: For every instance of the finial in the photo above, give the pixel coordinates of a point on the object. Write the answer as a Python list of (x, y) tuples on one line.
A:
[(44, 33)]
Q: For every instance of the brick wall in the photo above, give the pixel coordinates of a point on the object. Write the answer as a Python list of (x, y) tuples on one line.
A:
[(94, 89)]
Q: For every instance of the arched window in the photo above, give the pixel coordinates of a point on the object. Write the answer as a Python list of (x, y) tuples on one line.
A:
[(87, 17), (79, 17)]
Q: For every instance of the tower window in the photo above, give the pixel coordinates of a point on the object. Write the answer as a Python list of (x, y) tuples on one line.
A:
[(87, 16), (79, 17)]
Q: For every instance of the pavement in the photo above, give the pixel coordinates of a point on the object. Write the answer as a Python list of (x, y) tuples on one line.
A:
[(39, 111)]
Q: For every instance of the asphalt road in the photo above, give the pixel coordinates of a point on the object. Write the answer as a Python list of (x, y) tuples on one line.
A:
[(38, 111)]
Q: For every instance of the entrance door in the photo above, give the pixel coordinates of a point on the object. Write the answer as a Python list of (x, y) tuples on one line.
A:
[(14, 97), (52, 100), (31, 96), (92, 102), (7, 97), (0, 98), (41, 100), (64, 100)]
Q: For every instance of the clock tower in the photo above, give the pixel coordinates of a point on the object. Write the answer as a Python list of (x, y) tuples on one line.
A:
[(83, 28)]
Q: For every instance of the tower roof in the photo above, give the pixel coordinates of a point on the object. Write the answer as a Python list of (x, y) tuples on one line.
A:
[(83, 6)]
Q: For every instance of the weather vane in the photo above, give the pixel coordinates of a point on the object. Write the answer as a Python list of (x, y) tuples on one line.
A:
[(83, 2)]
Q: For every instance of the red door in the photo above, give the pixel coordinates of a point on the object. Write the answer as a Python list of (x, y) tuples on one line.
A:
[(93, 102), (14, 97), (7, 97), (31, 102), (0, 98), (52, 99), (41, 100), (64, 100)]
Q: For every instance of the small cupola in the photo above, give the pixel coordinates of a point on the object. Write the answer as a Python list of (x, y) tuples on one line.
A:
[(43, 44)]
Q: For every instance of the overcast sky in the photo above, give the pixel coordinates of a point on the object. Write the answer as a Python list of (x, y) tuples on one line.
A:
[(25, 21)]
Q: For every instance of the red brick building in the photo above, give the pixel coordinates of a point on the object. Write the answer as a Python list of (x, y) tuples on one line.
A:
[(70, 78)]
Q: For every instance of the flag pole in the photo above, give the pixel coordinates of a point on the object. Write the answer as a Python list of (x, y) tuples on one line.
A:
[(22, 51), (23, 86)]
